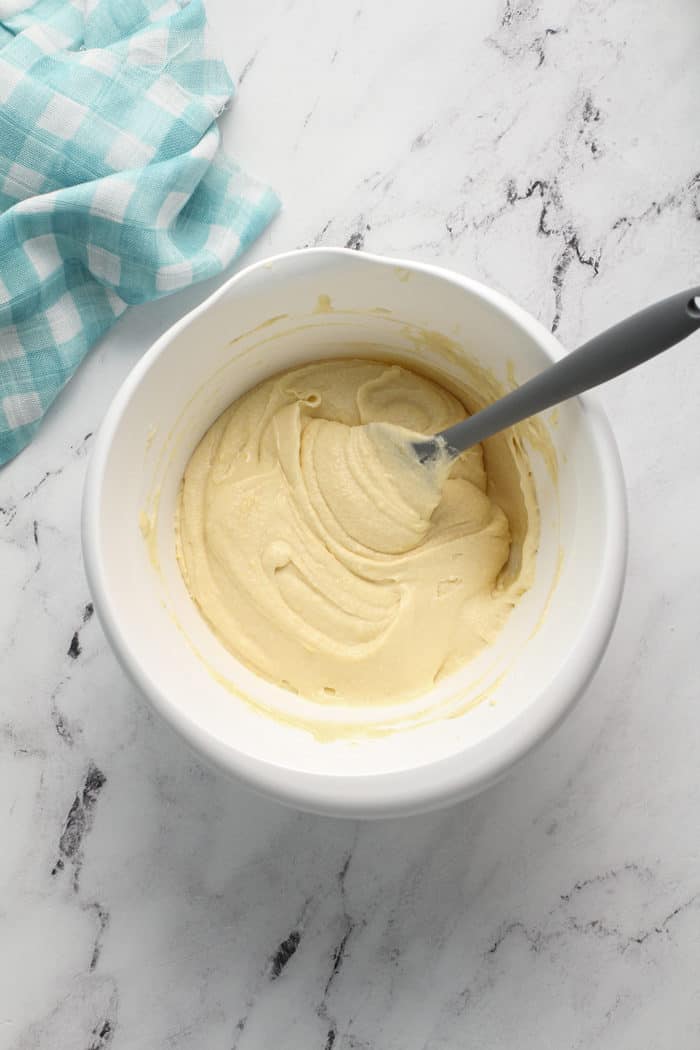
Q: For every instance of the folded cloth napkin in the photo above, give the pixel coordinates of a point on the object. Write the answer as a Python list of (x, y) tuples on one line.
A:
[(113, 189)]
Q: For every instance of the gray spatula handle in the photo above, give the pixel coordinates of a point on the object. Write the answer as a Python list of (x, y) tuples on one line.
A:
[(624, 346)]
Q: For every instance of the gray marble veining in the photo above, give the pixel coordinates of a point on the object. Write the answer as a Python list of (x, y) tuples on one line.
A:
[(551, 150)]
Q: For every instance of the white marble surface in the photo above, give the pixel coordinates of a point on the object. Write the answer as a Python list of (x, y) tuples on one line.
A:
[(551, 150)]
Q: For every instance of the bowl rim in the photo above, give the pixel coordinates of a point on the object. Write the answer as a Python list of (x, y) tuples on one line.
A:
[(446, 780)]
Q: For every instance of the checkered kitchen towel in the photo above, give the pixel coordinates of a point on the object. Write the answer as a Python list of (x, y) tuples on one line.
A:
[(113, 189)]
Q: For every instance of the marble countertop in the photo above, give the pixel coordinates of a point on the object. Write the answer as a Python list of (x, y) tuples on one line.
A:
[(551, 150)]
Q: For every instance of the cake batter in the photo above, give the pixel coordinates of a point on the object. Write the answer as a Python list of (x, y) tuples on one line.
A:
[(327, 558)]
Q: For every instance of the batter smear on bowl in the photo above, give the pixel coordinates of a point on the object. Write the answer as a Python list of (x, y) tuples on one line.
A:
[(327, 559)]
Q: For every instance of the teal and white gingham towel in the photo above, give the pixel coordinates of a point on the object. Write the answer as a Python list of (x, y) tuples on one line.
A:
[(113, 189)]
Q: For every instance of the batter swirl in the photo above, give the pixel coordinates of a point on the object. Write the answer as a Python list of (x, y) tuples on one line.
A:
[(325, 557)]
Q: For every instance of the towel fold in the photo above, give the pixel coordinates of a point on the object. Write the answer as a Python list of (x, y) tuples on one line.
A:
[(113, 186)]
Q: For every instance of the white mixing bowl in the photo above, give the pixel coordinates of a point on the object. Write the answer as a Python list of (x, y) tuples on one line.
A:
[(328, 302)]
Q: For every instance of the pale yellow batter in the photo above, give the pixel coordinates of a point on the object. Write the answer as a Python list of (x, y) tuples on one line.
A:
[(326, 558)]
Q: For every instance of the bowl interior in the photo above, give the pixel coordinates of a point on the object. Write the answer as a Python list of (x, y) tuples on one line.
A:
[(273, 316)]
